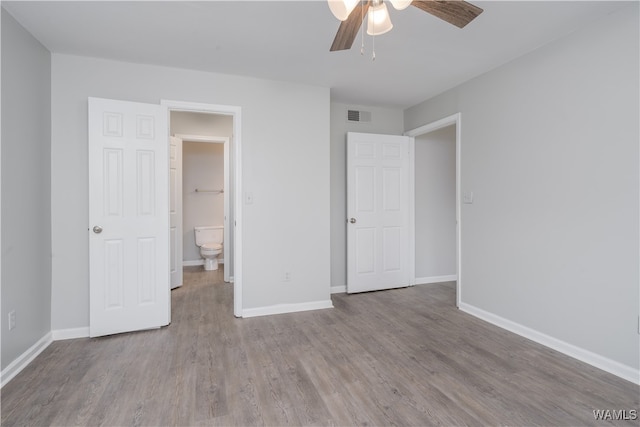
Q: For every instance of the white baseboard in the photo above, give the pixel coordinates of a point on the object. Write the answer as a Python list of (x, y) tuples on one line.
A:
[(198, 262), (24, 359), (436, 279), (69, 334), (616, 368), (286, 308), (340, 289)]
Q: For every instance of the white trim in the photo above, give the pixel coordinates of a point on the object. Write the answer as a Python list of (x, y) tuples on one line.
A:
[(454, 119), (286, 308), (436, 279), (69, 334), (340, 289), (22, 361), (193, 263), (616, 368), (236, 112), (201, 138), (199, 262)]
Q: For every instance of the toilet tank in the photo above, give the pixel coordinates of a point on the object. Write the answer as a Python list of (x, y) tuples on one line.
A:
[(209, 234)]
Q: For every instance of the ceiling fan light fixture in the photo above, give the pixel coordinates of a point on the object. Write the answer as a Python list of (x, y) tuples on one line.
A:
[(401, 4), (341, 9), (378, 20)]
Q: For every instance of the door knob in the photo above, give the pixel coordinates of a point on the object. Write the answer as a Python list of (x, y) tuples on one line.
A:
[(97, 229), (352, 220)]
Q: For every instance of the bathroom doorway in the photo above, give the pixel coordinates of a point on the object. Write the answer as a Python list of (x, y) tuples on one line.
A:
[(233, 170), (205, 171)]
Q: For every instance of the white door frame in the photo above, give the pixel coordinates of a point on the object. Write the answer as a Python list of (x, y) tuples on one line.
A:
[(218, 140), (235, 112), (455, 119)]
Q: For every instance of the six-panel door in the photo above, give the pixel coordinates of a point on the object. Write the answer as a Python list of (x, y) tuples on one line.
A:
[(377, 212), (128, 216)]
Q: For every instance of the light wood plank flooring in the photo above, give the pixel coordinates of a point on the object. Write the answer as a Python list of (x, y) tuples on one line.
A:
[(401, 357)]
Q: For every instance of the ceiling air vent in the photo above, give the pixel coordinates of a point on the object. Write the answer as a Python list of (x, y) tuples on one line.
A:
[(358, 116)]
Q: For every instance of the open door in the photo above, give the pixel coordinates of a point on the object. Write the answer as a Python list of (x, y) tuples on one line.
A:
[(128, 217), (175, 210), (378, 211)]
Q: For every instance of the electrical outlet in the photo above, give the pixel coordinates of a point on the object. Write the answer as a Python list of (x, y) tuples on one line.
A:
[(287, 276), (12, 319)]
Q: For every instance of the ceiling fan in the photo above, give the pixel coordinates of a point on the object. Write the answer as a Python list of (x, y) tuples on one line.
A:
[(456, 12)]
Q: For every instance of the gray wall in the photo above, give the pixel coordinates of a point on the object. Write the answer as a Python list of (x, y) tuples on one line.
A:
[(26, 191), (435, 203), (550, 150), (285, 165), (384, 121)]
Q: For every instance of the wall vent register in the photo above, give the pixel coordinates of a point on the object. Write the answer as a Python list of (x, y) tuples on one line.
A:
[(358, 116)]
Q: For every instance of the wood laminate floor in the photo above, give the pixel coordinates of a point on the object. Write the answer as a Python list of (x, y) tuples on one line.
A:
[(401, 357)]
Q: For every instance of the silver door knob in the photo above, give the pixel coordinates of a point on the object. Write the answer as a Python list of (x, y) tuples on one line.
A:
[(97, 229), (352, 220)]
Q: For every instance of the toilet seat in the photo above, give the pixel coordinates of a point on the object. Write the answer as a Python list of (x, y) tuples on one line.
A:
[(211, 247)]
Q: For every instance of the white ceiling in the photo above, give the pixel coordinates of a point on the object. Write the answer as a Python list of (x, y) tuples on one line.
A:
[(289, 40)]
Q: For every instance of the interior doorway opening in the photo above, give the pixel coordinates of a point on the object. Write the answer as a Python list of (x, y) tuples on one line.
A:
[(209, 125), (206, 171), (436, 208)]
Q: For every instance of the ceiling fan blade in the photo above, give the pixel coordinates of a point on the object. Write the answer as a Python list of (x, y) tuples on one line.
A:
[(348, 29), (456, 12)]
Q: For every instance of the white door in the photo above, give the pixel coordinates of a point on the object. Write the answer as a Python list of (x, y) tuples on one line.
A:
[(128, 217), (175, 211), (226, 248), (377, 211)]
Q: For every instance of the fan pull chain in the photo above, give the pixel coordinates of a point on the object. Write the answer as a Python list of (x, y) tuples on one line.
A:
[(362, 27), (373, 48), (373, 40)]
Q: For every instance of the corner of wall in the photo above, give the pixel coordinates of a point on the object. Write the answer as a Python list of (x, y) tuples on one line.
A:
[(26, 196)]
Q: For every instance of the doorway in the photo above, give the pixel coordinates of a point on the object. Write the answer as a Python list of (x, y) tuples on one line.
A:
[(198, 124), (436, 211), (205, 174)]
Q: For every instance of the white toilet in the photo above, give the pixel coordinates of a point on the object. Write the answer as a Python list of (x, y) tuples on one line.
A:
[(210, 239)]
